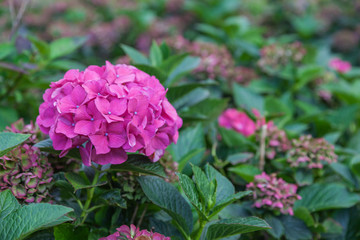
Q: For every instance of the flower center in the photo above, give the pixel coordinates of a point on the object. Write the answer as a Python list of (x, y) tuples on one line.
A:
[(106, 134)]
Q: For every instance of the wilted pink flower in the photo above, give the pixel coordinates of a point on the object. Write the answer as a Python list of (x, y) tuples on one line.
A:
[(133, 233), (311, 152), (24, 170), (108, 111), (273, 193), (238, 121), (339, 65)]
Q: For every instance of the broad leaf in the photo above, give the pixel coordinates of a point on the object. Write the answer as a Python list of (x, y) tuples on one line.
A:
[(204, 186), (208, 109), (47, 146), (65, 46), (326, 196), (155, 55), (224, 188), (10, 140), (167, 197), (140, 164), (227, 201), (67, 231), (80, 181), (277, 229), (20, 221), (246, 98), (136, 56), (295, 229), (246, 171), (228, 227), (186, 65)]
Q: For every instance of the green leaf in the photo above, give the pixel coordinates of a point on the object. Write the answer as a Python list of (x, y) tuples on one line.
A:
[(246, 98), (170, 63), (10, 140), (227, 201), (277, 229), (175, 93), (204, 187), (306, 74), (304, 177), (113, 197), (345, 172), (319, 197), (7, 115), (68, 231), (192, 193), (66, 65), (246, 171), (228, 227), (295, 229), (65, 46), (235, 139), (355, 164), (153, 71), (187, 65), (139, 164), (184, 160), (42, 47), (190, 139), (47, 146), (156, 56), (80, 181), (6, 49), (167, 197), (224, 187), (208, 109), (276, 107), (136, 56), (304, 214), (17, 221), (237, 158)]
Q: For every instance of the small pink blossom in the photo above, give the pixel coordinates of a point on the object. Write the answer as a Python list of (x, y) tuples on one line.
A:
[(238, 121), (273, 193), (108, 111), (134, 233), (339, 65)]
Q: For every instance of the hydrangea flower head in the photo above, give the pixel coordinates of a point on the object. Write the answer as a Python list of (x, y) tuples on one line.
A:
[(311, 152), (134, 233), (108, 111), (273, 193), (24, 170), (238, 121), (339, 65)]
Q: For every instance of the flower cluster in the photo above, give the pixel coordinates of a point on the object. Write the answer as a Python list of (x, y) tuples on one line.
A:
[(311, 152), (273, 193), (134, 233), (339, 65), (24, 170), (238, 121), (277, 141), (113, 109), (216, 61), (275, 56), (171, 167)]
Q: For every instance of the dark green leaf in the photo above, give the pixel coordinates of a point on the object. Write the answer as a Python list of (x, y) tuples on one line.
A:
[(208, 109), (246, 171), (277, 229), (246, 98), (167, 197), (224, 188), (67, 231), (10, 140), (295, 229), (80, 181), (227, 201), (153, 71), (304, 214)]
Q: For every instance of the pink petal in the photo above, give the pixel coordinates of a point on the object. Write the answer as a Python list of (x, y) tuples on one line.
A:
[(100, 143)]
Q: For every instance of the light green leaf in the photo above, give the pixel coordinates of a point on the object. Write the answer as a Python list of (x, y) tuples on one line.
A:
[(224, 187), (227, 227), (203, 185), (235, 139), (246, 98), (306, 74), (319, 197), (65, 46), (6, 49), (10, 140), (246, 171), (22, 221), (156, 56), (227, 201), (192, 193), (139, 164), (136, 56), (187, 65), (304, 214), (167, 197)]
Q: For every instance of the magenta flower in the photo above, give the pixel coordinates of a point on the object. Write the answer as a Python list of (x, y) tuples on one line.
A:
[(134, 233), (339, 65), (107, 111), (273, 193), (238, 121)]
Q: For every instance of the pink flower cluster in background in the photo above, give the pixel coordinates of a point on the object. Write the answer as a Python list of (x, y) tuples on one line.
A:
[(114, 109), (24, 171), (134, 233), (339, 65), (273, 193), (311, 152), (238, 121)]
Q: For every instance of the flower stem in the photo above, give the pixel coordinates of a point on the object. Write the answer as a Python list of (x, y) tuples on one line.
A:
[(201, 228), (90, 194)]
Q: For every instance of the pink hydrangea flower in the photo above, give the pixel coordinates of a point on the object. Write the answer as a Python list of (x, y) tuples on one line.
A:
[(273, 193), (238, 121), (133, 233), (108, 111), (339, 65)]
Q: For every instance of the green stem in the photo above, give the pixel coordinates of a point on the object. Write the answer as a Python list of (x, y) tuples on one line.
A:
[(201, 228), (90, 194)]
